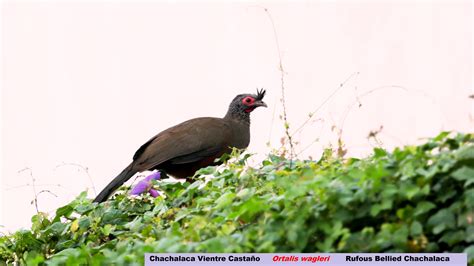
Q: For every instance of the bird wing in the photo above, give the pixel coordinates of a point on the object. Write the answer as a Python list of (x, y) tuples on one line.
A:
[(187, 142)]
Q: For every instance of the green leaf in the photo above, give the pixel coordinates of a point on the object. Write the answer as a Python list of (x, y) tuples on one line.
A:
[(470, 253), (470, 233), (70, 252), (64, 211), (55, 229), (378, 152), (225, 200), (464, 173), (84, 222), (400, 236), (113, 216), (469, 198), (441, 136), (416, 228), (409, 190), (452, 238), (375, 209), (107, 229), (424, 207), (465, 153), (442, 220), (245, 193), (34, 259)]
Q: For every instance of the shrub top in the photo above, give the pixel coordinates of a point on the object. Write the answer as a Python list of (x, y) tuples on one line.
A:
[(413, 199)]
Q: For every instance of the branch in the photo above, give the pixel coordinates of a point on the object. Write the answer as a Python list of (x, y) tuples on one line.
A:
[(324, 102), (282, 82), (83, 168), (35, 200)]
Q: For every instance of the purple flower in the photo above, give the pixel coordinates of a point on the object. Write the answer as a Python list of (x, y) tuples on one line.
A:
[(154, 193), (145, 185)]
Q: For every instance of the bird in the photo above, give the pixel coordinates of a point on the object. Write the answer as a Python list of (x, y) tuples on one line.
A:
[(183, 149)]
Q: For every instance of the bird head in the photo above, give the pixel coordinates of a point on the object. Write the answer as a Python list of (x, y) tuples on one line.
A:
[(248, 102), (243, 104)]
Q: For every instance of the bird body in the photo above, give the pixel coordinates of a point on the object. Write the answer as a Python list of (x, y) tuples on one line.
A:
[(183, 149)]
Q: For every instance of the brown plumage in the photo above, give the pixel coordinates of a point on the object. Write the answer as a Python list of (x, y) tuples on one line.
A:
[(185, 148)]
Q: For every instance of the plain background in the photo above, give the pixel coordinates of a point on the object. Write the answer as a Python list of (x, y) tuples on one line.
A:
[(88, 83)]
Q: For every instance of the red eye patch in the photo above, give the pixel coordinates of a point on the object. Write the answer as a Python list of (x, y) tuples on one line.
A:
[(248, 100)]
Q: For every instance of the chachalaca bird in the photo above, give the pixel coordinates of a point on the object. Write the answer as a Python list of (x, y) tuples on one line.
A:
[(185, 148)]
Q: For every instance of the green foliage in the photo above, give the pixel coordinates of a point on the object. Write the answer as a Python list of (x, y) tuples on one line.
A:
[(414, 199)]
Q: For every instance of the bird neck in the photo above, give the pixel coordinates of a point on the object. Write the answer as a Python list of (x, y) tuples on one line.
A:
[(238, 115)]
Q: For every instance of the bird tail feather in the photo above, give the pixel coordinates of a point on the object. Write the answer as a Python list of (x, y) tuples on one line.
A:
[(116, 183)]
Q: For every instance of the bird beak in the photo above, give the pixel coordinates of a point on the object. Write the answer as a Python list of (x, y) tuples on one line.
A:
[(260, 103)]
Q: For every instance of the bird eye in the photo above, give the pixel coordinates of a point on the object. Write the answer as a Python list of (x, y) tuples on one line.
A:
[(248, 100)]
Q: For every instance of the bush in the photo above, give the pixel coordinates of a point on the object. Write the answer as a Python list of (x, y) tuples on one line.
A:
[(414, 199)]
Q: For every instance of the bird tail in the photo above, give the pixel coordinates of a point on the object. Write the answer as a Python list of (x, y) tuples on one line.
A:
[(116, 183)]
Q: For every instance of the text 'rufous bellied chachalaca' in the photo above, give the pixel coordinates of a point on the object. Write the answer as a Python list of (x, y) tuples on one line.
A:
[(183, 149)]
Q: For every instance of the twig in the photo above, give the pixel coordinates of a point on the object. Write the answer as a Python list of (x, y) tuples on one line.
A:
[(271, 124), (83, 168), (325, 101), (282, 82), (47, 191), (35, 200), (373, 135), (37, 185), (317, 139), (398, 140), (360, 96)]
